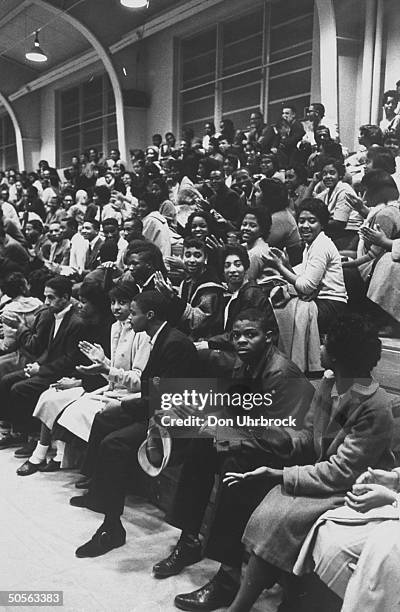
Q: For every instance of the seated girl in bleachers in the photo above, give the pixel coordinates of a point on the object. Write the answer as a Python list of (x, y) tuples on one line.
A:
[(382, 207), (129, 355), (319, 278)]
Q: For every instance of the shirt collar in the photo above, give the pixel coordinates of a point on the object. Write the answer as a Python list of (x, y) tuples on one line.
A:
[(148, 281), (92, 242), (61, 315), (361, 387), (154, 338)]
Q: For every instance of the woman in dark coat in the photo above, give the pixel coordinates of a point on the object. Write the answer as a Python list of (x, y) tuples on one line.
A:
[(350, 429)]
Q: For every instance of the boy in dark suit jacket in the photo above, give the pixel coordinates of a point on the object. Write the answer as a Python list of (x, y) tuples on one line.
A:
[(20, 390), (118, 432)]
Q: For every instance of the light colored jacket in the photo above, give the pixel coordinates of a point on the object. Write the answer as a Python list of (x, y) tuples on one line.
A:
[(26, 308)]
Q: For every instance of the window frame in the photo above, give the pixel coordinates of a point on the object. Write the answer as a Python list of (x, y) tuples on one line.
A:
[(264, 67), (5, 147), (106, 90)]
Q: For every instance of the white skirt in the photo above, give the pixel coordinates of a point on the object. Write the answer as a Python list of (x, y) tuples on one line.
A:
[(52, 402), (78, 417)]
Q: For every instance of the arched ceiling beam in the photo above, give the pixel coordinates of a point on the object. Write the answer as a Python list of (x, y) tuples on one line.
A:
[(18, 135), (108, 64)]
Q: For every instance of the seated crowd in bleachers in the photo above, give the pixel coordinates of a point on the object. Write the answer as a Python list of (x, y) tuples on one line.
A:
[(228, 255)]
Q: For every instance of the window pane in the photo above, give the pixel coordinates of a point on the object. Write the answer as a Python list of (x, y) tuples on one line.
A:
[(304, 61), (87, 118), (290, 85), (92, 134), (70, 107), (243, 97), (243, 27), (195, 110), (291, 44), (196, 45), (283, 11), (288, 50), (293, 32), (242, 53), (9, 133), (10, 156)]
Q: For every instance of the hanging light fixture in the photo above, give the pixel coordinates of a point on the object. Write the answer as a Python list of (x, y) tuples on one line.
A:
[(36, 54), (135, 4)]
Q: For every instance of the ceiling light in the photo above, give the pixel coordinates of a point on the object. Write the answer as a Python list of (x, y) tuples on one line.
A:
[(36, 54), (135, 4)]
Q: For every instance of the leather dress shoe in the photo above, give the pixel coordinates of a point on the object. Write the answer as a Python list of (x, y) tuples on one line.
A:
[(10, 439), (51, 466), (181, 556), (85, 501), (102, 542), (29, 468), (84, 483), (213, 595), (26, 450)]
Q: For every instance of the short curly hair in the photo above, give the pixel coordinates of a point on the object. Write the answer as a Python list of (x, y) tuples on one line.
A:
[(353, 342), (317, 207)]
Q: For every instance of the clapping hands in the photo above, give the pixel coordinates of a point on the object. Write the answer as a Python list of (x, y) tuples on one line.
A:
[(364, 497), (382, 477), (163, 286)]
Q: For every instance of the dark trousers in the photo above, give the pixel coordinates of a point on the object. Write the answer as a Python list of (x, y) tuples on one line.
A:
[(19, 396), (328, 312), (233, 505), (112, 456)]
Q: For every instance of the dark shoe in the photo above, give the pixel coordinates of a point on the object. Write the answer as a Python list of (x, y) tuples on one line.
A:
[(26, 450), (29, 468), (10, 439), (84, 483), (102, 542), (51, 466), (85, 501), (213, 595), (181, 556)]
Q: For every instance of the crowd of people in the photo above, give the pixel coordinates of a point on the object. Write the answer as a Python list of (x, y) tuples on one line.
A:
[(232, 256)]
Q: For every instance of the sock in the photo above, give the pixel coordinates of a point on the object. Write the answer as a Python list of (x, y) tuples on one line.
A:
[(60, 451), (39, 454)]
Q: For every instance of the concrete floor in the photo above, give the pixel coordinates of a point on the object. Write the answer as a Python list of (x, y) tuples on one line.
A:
[(39, 532)]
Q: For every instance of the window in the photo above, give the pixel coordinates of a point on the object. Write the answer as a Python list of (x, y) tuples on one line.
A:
[(8, 148), (257, 61), (87, 119)]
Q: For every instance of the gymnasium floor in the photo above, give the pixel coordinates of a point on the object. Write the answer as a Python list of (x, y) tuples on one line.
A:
[(39, 532)]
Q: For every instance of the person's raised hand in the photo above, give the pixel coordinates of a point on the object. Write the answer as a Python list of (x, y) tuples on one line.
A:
[(271, 259), (213, 243), (94, 352), (163, 286), (373, 235), (354, 201)]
